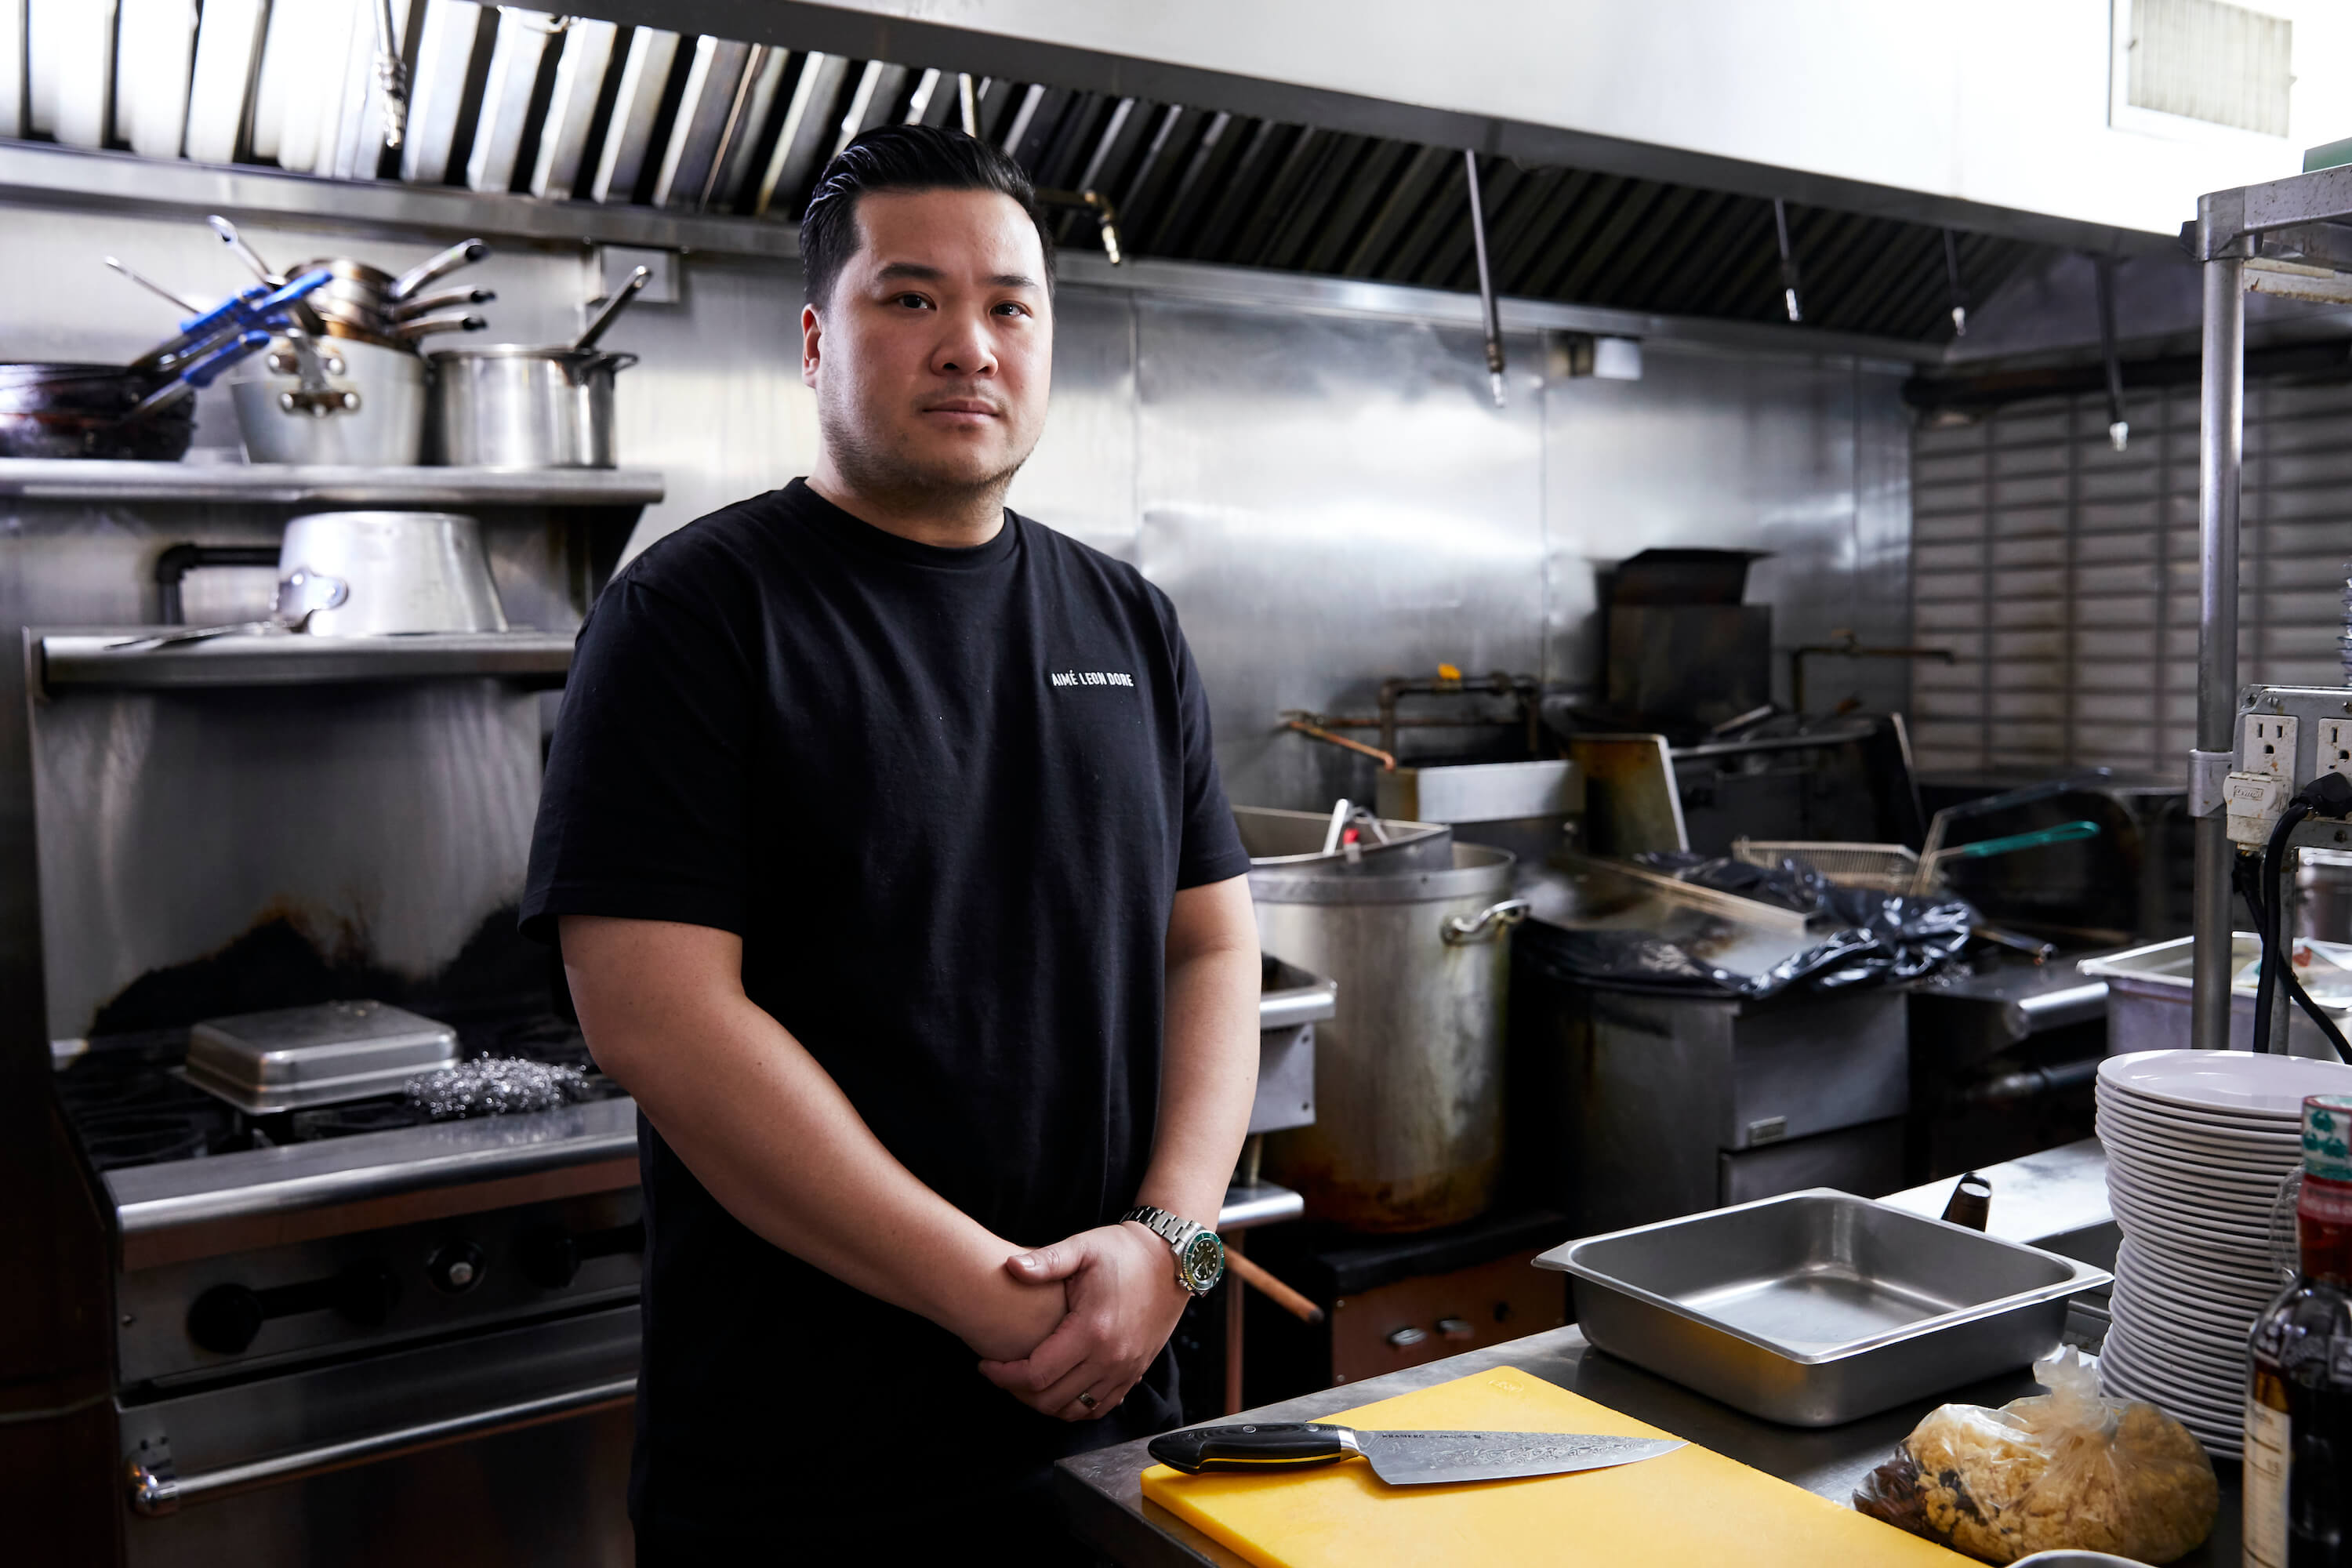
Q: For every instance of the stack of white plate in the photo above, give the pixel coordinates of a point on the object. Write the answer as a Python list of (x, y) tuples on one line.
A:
[(2199, 1144)]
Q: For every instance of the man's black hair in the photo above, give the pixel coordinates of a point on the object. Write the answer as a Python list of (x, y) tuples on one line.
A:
[(903, 158)]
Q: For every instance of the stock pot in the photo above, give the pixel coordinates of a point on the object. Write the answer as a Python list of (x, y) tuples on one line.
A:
[(1407, 1132), (403, 572)]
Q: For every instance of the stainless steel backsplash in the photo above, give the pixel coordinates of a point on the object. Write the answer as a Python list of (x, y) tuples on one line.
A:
[(1326, 490)]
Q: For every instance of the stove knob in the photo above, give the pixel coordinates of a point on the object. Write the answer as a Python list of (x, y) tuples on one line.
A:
[(456, 1269), (225, 1318)]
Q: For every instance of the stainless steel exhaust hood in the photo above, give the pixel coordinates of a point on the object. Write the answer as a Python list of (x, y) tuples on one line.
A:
[(532, 104)]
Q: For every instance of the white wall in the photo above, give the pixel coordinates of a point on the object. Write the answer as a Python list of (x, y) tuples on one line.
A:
[(2003, 102)]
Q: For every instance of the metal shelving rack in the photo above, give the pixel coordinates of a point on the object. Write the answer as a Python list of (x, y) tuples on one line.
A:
[(293, 484), (66, 658), (2290, 237)]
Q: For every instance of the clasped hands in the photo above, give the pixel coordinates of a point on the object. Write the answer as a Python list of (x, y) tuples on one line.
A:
[(1120, 1302)]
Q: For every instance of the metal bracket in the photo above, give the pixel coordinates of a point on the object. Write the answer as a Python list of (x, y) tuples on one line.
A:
[(2209, 774)]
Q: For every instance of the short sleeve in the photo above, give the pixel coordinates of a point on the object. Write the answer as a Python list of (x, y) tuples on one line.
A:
[(1212, 850), (645, 809)]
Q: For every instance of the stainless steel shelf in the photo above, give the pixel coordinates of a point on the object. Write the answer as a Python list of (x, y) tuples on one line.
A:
[(66, 478), (82, 658)]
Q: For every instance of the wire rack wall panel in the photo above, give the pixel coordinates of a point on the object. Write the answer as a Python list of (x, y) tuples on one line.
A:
[(2062, 574)]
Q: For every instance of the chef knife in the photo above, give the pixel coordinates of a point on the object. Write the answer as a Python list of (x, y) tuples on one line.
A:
[(1401, 1458)]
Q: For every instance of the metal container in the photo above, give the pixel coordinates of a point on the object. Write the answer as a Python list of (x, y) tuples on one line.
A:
[(298, 1057), (2323, 888), (511, 407), (2148, 1001), (1819, 1307), (1409, 1070), (367, 411), (1523, 807), (1293, 841), (405, 572)]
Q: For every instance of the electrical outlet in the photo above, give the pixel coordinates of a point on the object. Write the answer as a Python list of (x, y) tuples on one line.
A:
[(2266, 745), (2333, 753)]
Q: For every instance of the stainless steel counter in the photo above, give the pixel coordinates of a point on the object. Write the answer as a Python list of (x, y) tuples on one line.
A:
[(1103, 1490), (2056, 1199)]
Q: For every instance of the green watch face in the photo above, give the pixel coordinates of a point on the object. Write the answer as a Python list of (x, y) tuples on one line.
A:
[(1201, 1263)]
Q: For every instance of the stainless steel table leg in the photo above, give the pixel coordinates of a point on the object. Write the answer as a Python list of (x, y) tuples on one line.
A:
[(1233, 1330)]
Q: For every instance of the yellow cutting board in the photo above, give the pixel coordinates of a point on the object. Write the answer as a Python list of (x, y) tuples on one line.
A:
[(1690, 1507)]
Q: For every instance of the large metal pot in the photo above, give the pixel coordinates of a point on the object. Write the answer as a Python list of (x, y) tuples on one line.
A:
[(512, 406), (1408, 1131), (360, 402), (49, 410), (405, 572)]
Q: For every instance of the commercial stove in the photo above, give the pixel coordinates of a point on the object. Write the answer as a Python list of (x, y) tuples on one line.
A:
[(322, 1316)]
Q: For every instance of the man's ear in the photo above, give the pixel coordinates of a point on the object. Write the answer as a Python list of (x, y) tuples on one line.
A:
[(811, 329)]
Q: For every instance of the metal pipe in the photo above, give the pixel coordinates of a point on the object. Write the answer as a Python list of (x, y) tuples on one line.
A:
[(156, 1491), (1386, 759), (1788, 261), (1959, 296), (1851, 647), (1493, 311), (2119, 430), (2221, 433)]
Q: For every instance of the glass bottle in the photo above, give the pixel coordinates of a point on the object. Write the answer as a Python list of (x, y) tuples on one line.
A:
[(2298, 1469)]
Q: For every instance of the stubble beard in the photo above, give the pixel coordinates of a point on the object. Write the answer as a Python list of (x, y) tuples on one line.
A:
[(881, 469)]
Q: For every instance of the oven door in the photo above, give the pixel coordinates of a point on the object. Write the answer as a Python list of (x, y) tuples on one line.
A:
[(504, 1447)]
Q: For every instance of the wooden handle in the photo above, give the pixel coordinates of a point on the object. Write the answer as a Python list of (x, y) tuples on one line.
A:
[(1283, 1296)]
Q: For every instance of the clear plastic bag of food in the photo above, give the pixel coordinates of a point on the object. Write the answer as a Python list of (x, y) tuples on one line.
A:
[(2069, 1469)]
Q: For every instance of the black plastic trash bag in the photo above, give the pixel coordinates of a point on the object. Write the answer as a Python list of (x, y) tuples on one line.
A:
[(1865, 938)]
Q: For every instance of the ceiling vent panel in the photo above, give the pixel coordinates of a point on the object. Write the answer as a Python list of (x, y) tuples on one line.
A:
[(580, 71)]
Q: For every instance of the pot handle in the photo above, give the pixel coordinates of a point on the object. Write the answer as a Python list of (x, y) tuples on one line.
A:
[(1492, 921), (577, 369)]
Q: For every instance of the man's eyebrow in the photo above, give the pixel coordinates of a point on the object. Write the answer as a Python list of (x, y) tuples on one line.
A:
[(916, 269)]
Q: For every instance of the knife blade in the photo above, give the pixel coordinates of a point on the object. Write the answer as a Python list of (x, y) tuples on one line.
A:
[(1402, 1458)]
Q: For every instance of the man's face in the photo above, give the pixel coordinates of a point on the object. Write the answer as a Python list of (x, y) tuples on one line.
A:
[(933, 357)]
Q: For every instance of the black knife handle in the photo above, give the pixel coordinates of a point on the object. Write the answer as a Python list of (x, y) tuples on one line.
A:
[(1288, 1445)]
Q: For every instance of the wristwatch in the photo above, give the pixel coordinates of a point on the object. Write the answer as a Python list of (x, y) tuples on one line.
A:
[(1200, 1255)]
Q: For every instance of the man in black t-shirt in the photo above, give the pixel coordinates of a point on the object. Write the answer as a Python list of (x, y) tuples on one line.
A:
[(894, 878)]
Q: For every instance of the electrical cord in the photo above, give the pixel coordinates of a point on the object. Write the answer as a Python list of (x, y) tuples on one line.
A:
[(2329, 795)]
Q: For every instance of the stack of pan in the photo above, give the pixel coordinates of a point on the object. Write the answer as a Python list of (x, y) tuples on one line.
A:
[(352, 388)]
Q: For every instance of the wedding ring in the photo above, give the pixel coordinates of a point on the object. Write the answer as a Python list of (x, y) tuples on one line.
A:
[(1087, 1400)]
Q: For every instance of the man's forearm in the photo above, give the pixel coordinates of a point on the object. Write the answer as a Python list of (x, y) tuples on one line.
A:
[(765, 1128), (1208, 1073)]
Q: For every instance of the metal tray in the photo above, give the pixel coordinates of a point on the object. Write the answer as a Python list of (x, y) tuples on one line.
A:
[(2147, 1000), (1819, 1307), (298, 1057)]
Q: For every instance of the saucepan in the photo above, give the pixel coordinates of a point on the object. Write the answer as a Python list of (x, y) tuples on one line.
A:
[(511, 406)]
